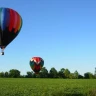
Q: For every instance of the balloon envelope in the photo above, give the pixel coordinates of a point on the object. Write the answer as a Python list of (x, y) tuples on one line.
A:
[(10, 25), (36, 64)]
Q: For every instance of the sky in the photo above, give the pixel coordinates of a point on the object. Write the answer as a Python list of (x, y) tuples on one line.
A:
[(62, 32)]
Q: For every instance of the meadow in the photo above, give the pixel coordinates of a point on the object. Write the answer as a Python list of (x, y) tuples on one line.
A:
[(47, 87)]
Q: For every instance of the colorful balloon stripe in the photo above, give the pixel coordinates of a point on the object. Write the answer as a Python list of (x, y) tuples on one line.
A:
[(36, 64), (10, 25), (10, 19)]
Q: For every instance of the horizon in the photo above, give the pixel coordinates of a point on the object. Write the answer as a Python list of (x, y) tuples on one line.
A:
[(63, 33)]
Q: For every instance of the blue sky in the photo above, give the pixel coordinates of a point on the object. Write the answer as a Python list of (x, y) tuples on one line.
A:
[(62, 32)]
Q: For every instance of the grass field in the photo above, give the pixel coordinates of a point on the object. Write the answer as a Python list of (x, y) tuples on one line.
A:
[(47, 87)]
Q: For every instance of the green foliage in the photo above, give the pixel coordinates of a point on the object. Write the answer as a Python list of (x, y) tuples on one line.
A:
[(61, 73), (67, 73), (53, 73), (44, 73), (71, 76), (88, 75), (29, 74), (14, 73), (6, 74), (2, 74), (47, 87), (76, 74), (80, 76)]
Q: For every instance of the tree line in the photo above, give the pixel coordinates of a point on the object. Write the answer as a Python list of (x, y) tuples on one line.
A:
[(53, 73)]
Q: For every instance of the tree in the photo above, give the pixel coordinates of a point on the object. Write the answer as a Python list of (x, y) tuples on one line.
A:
[(53, 73), (37, 75), (88, 75), (44, 73), (76, 74), (34, 75), (71, 76), (6, 74), (2, 74), (91, 76), (29, 74), (14, 73), (22, 76), (95, 73), (61, 73), (66, 72), (80, 76)]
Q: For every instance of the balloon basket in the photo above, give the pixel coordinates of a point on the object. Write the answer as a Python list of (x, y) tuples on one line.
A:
[(2, 53)]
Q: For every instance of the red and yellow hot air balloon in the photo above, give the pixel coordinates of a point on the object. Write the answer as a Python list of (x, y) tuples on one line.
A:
[(36, 64), (10, 25)]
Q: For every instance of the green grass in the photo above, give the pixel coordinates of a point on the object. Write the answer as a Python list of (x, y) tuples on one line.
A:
[(47, 87)]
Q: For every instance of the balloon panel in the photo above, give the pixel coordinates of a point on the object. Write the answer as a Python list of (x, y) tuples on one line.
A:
[(36, 63), (10, 25)]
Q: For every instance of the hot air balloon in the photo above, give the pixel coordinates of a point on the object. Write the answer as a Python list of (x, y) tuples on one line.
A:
[(10, 25), (36, 64)]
